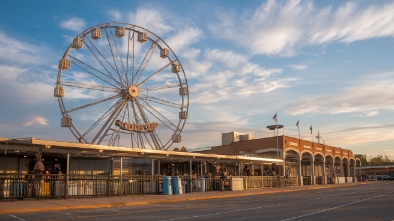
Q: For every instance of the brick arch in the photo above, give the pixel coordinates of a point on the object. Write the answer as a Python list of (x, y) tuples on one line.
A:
[(307, 151), (319, 153), (292, 149)]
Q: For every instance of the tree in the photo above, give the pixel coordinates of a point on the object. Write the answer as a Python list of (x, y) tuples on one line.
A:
[(183, 149), (176, 149), (363, 159), (380, 161)]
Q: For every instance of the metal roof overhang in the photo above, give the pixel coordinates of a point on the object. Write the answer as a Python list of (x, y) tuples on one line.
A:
[(31, 145)]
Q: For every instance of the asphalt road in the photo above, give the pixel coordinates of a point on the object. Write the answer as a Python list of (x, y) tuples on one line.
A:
[(357, 202)]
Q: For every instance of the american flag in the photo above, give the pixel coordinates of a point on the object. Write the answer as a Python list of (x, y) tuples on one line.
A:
[(275, 117), (298, 124), (311, 129)]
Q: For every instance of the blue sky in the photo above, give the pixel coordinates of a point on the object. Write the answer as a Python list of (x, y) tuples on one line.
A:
[(325, 63)]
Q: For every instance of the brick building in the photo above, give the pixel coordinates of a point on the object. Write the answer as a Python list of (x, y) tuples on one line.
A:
[(313, 163)]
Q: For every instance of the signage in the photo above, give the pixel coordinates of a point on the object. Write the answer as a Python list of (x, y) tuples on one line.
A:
[(136, 127)]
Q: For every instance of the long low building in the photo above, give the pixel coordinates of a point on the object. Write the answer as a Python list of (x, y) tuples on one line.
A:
[(77, 169), (313, 163), (19, 154), (93, 170)]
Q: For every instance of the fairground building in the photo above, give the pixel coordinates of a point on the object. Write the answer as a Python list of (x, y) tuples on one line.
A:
[(98, 170)]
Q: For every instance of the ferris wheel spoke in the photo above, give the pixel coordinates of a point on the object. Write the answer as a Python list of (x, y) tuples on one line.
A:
[(133, 58), (107, 125), (144, 63), (168, 86), (91, 104), (160, 101), (104, 116), (154, 137), (77, 134), (95, 51), (155, 113), (127, 56), (146, 79), (85, 67), (89, 86), (115, 57)]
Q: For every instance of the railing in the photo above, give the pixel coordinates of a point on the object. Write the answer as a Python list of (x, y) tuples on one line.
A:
[(19, 186), (307, 180)]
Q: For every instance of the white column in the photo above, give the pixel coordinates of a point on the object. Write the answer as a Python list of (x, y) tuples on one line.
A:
[(341, 169), (324, 171), (334, 172), (299, 174), (354, 173), (284, 162), (313, 170)]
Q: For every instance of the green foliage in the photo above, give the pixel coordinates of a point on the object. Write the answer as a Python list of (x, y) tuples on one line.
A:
[(380, 161)]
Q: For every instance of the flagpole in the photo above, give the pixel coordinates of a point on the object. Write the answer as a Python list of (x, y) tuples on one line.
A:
[(277, 132), (277, 143)]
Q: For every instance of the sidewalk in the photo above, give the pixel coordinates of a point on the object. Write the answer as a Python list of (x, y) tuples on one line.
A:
[(40, 205)]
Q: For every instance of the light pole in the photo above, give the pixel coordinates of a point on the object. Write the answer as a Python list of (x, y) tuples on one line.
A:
[(276, 127)]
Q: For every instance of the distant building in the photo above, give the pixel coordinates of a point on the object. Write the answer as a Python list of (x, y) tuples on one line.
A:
[(234, 136)]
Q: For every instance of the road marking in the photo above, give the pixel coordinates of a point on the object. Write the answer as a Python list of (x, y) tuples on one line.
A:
[(16, 217), (266, 206), (336, 207)]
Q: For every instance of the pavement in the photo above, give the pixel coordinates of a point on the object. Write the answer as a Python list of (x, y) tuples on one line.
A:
[(40, 205)]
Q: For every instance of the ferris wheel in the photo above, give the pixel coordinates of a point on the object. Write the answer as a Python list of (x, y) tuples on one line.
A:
[(119, 84)]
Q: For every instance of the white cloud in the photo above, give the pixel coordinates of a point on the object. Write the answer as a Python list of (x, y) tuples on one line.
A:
[(368, 114), (230, 75), (364, 96), (151, 19), (298, 67), (73, 24), (180, 41), (115, 15), (36, 120), (228, 58), (14, 51), (25, 85), (360, 135), (281, 28)]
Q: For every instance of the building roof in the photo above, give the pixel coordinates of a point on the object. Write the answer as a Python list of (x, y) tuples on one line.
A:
[(273, 144), (31, 145)]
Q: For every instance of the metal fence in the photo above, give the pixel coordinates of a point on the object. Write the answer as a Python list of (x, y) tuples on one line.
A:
[(19, 186)]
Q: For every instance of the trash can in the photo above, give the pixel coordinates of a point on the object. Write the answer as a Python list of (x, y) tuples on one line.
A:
[(177, 185), (167, 185)]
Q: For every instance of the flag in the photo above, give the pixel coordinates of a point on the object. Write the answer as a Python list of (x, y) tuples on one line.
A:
[(275, 117), (311, 129), (298, 124)]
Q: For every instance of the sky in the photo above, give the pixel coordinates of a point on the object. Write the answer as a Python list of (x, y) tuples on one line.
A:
[(328, 64)]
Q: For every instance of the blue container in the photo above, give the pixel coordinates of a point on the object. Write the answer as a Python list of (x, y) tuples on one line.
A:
[(202, 184), (177, 185), (167, 185)]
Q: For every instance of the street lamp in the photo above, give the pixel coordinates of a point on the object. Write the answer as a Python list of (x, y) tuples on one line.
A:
[(273, 127)]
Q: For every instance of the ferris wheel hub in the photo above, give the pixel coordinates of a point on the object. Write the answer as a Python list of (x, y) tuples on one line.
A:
[(133, 91)]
